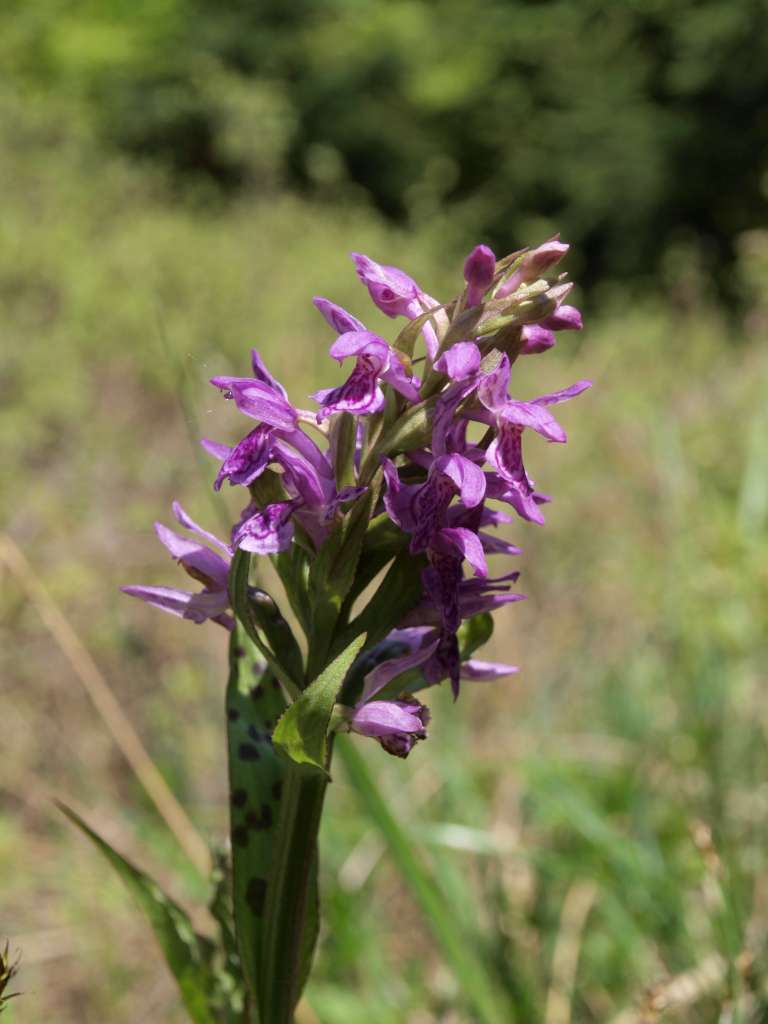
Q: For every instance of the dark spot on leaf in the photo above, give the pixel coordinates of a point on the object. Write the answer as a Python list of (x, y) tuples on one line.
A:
[(259, 822), (275, 684), (255, 895), (257, 692), (247, 752), (277, 790), (240, 835), (239, 652), (233, 714), (239, 798)]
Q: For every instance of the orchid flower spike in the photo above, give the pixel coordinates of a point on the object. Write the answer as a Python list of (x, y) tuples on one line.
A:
[(393, 478)]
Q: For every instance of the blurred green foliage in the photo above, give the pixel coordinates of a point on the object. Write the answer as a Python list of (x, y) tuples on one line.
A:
[(630, 127)]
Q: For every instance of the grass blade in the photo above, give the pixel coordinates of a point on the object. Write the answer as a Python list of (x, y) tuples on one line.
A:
[(479, 988), (185, 952)]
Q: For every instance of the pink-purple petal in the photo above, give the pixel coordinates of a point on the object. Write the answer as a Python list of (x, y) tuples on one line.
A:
[(200, 561), (396, 376), (267, 531), (388, 670), (493, 389), (536, 338), (564, 318), (468, 478), (261, 373), (535, 417), (385, 718), (188, 523), (337, 316), (566, 393), (479, 671), (169, 599), (464, 543), (392, 290), (359, 343), (461, 361), (214, 448), (258, 400)]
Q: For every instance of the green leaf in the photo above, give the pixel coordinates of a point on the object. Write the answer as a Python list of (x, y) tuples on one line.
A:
[(293, 569), (473, 633), (264, 623), (227, 965), (186, 953), (383, 541), (398, 593), (302, 731), (279, 634), (406, 339), (311, 928), (343, 440), (255, 701), (333, 574), (292, 911), (412, 430)]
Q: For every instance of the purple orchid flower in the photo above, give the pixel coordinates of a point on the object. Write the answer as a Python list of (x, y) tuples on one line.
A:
[(258, 400), (420, 509), (392, 290), (418, 647), (397, 294), (202, 564), (435, 493), (247, 460), (474, 596), (511, 418), (307, 476), (397, 724), (361, 394), (260, 396)]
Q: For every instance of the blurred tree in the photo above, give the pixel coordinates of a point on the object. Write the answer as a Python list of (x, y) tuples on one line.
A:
[(630, 127)]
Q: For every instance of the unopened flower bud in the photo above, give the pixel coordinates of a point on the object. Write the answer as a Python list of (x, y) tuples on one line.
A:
[(479, 268), (534, 264), (396, 724)]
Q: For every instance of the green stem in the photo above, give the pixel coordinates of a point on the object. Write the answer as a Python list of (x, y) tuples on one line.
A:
[(291, 911)]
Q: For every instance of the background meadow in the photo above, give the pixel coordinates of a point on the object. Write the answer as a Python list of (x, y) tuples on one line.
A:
[(178, 179)]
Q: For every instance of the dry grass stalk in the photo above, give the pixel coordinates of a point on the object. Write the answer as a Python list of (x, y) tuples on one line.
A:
[(108, 707), (577, 904)]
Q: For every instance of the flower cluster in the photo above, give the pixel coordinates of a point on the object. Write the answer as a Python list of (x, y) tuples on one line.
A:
[(429, 441)]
